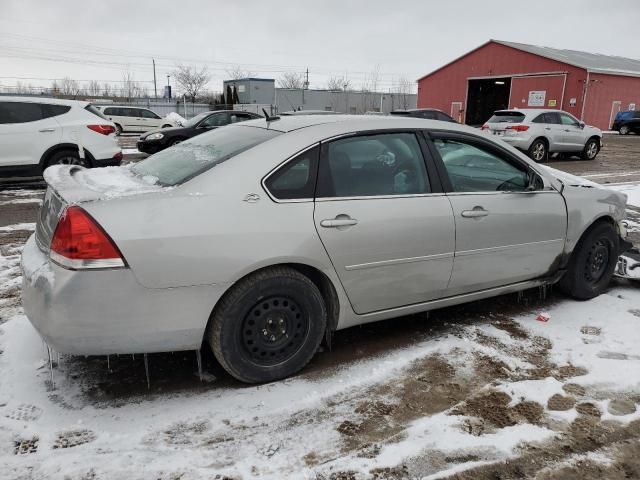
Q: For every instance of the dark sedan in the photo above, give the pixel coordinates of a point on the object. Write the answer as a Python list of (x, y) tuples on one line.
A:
[(160, 139)]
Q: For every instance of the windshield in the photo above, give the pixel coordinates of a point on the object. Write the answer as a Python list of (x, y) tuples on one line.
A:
[(189, 159), (192, 121), (507, 117)]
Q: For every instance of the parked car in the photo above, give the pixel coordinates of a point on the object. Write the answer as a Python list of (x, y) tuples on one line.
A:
[(262, 238), (135, 119), (427, 113), (38, 132), (157, 140), (627, 122), (540, 132)]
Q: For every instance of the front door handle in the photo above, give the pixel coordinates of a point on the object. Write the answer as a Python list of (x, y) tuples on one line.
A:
[(547, 128), (47, 130), (339, 221), (475, 213)]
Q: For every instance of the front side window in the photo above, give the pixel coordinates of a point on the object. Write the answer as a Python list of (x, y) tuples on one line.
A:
[(474, 168), (216, 120), (297, 179), (188, 159), (372, 165), (20, 112), (568, 120)]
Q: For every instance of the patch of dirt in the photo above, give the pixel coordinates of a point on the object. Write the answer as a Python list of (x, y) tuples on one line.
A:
[(569, 371), (182, 433), (588, 408), (574, 389), (390, 473), (560, 402), (73, 438), (531, 412), (620, 406), (586, 330), (491, 367), (25, 446), (25, 413), (374, 408), (511, 327), (349, 428), (491, 407)]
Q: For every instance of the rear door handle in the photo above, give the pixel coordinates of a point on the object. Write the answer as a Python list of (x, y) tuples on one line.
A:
[(475, 213), (47, 130), (547, 128), (339, 221)]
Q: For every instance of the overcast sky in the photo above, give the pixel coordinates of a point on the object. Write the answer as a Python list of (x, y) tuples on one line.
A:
[(84, 40)]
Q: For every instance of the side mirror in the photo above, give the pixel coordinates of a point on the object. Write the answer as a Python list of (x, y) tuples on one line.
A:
[(581, 124)]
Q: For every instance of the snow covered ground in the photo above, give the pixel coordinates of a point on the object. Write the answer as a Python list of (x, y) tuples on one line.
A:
[(479, 391)]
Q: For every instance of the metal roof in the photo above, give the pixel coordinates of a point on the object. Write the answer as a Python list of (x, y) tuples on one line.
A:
[(593, 62)]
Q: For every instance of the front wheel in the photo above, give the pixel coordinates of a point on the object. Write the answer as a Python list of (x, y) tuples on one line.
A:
[(268, 326), (592, 263), (624, 130), (118, 129), (538, 150), (591, 149)]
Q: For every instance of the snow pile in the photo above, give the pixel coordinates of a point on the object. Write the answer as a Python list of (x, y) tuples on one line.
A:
[(632, 190), (174, 117)]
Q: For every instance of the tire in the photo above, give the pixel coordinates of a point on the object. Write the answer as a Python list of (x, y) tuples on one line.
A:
[(538, 150), (67, 157), (268, 326), (624, 130), (118, 129), (592, 263), (166, 126), (591, 149)]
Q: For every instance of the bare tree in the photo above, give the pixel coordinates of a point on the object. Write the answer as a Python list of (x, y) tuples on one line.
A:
[(55, 88), (69, 87), (291, 80), (129, 86), (369, 87), (336, 84), (403, 89), (106, 90), (93, 88), (191, 80), (237, 72)]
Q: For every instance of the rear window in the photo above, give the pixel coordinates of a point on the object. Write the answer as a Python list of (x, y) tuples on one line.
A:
[(507, 117), (95, 111), (189, 159)]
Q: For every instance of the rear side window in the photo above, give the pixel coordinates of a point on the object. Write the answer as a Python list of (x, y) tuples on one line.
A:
[(189, 159), (507, 117), (148, 114), (372, 165), (20, 112), (444, 117), (49, 111), (297, 179)]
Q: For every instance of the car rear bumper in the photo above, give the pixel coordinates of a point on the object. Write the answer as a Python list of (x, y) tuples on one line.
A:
[(104, 312)]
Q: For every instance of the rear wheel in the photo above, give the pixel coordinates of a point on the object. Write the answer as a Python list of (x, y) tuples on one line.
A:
[(268, 326), (118, 129), (538, 150), (592, 263), (67, 157), (591, 149), (624, 130)]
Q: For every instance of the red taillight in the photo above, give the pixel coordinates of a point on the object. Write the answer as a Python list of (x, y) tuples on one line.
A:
[(484, 127), (518, 128), (79, 242), (103, 129), (118, 156)]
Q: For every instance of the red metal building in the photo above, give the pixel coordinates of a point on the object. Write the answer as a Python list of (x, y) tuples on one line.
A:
[(500, 75)]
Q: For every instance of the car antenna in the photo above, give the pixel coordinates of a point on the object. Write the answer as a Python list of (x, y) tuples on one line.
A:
[(269, 117)]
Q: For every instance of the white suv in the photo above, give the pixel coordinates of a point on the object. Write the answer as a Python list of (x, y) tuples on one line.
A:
[(539, 132), (134, 119), (38, 132)]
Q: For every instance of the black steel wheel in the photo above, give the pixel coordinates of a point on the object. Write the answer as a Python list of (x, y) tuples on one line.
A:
[(592, 263), (268, 326)]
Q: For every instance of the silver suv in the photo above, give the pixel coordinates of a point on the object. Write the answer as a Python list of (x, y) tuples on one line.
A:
[(541, 132)]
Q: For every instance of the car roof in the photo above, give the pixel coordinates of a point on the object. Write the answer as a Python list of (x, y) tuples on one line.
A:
[(49, 100), (353, 123), (530, 111)]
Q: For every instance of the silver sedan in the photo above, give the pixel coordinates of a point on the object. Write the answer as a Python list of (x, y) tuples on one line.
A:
[(261, 239)]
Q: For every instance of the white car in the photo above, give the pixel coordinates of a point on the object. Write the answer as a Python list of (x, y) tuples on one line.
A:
[(540, 132), (135, 119), (38, 132)]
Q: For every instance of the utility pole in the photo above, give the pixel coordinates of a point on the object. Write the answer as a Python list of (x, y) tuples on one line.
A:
[(155, 87), (305, 85)]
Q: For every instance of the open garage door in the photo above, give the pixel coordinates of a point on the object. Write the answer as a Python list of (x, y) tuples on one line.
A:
[(484, 97)]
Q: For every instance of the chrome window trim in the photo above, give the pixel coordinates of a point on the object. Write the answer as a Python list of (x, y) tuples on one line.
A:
[(380, 197), (534, 192), (399, 261), (282, 164)]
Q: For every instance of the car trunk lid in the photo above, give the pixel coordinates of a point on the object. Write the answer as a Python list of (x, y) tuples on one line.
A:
[(72, 185)]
